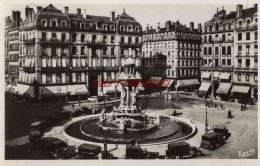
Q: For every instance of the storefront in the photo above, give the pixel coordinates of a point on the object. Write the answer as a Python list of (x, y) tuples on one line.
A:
[(187, 85), (224, 91), (204, 89)]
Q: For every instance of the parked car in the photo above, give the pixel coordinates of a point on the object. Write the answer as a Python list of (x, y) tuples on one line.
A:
[(136, 152), (56, 148), (212, 140), (180, 150), (93, 98), (37, 126), (222, 129), (88, 151)]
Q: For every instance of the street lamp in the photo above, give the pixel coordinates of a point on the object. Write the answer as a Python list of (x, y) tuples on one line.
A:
[(59, 93), (206, 122)]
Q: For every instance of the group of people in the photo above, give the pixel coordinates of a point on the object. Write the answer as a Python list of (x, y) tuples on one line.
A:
[(243, 107)]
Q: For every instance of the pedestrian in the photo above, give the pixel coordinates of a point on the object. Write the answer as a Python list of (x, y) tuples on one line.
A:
[(229, 114), (245, 106), (242, 107), (174, 113)]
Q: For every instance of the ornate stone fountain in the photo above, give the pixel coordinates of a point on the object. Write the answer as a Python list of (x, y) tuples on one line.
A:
[(128, 116)]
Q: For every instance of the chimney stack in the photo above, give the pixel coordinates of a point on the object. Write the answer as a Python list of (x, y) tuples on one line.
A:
[(255, 5), (27, 9), (147, 28), (191, 26), (199, 27), (239, 10), (158, 27), (39, 9), (66, 10), (113, 18), (84, 13), (78, 11), (168, 25)]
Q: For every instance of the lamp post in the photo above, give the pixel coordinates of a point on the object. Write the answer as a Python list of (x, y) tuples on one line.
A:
[(59, 93), (206, 122)]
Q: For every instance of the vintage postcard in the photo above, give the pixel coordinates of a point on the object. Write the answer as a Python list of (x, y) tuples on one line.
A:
[(119, 81)]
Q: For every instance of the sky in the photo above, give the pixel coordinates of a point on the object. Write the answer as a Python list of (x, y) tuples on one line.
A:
[(145, 13)]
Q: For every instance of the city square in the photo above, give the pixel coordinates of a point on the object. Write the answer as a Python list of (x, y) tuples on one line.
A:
[(82, 86)]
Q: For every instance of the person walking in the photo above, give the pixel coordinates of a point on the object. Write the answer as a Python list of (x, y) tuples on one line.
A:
[(229, 114), (242, 107)]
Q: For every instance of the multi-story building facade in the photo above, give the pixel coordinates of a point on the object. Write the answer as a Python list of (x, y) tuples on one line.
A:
[(64, 53), (181, 47), (246, 53), (12, 47), (229, 53), (218, 50)]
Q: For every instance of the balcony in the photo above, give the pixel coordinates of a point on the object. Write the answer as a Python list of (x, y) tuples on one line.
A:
[(29, 69), (29, 41), (130, 44), (244, 27), (223, 69), (108, 68), (245, 69), (54, 41), (96, 43), (55, 69), (78, 68)]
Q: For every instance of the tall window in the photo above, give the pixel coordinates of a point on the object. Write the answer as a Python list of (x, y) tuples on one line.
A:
[(63, 37), (112, 39), (255, 48), (247, 35), (53, 36), (205, 51), (239, 63), (74, 49), (256, 35), (239, 49), (112, 50), (247, 63), (247, 49), (205, 39), (82, 38), (53, 51), (229, 62), (239, 37), (229, 26), (74, 37), (216, 50), (210, 38), (255, 77), (255, 63), (210, 51), (247, 77), (229, 50), (248, 22), (223, 50), (82, 50), (223, 37), (44, 36), (224, 62), (239, 77)]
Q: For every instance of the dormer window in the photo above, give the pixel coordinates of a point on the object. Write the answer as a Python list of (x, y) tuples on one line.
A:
[(122, 28), (248, 21), (63, 23), (129, 28), (105, 27), (112, 27), (44, 23), (54, 23), (74, 25), (137, 29), (82, 26), (240, 22)]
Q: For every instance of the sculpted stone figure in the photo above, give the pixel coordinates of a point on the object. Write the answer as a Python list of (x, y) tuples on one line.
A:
[(133, 97), (123, 94)]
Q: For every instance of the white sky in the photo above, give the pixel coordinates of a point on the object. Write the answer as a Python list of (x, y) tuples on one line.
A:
[(145, 13)]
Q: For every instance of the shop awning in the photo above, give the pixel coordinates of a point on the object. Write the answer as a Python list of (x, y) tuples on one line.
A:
[(190, 82), (205, 75), (216, 74), (53, 90), (23, 90), (224, 76), (224, 88), (166, 82), (240, 89), (78, 89), (154, 80), (204, 86)]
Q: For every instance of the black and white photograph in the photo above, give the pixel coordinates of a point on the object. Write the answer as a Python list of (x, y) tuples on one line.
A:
[(126, 81)]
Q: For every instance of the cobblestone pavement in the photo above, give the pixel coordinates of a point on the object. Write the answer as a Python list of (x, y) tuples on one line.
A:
[(243, 126)]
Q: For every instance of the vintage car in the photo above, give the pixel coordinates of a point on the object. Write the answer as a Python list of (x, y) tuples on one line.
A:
[(56, 148), (180, 150), (211, 140), (88, 151), (37, 126), (222, 129), (136, 152)]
